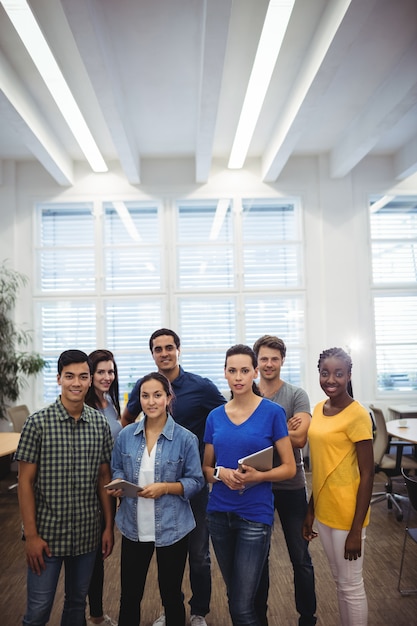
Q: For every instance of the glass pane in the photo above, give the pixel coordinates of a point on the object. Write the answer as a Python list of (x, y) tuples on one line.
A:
[(126, 223), (396, 220), (394, 262), (204, 222), (67, 325), (65, 257), (64, 326), (272, 265), (207, 329), (67, 270), (67, 225), (396, 339), (129, 324), (270, 220), (205, 268), (283, 316), (138, 269)]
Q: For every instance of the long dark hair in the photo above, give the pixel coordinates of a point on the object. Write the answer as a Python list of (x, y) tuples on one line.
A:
[(92, 398), (240, 348)]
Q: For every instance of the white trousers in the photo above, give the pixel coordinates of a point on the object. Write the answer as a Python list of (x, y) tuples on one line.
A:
[(351, 596)]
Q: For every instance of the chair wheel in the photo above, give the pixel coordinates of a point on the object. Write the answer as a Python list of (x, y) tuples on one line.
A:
[(399, 517)]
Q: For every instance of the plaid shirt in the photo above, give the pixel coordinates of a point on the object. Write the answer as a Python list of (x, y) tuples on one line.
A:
[(68, 454)]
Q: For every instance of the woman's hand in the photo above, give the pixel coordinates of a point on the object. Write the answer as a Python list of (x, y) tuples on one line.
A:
[(307, 531), (154, 491), (353, 545)]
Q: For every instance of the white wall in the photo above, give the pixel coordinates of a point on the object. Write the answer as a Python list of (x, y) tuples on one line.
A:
[(337, 254)]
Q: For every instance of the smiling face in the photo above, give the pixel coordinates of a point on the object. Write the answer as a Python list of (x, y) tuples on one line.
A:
[(334, 377), (103, 376), (75, 380), (240, 373), (270, 362), (154, 399), (165, 354)]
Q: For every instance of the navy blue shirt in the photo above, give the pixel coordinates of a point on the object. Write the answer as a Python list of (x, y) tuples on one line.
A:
[(195, 397)]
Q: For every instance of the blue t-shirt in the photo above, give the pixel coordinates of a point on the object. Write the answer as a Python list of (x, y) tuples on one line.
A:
[(231, 442), (195, 397)]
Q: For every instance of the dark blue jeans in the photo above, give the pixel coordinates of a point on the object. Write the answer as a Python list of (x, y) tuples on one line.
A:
[(241, 549), (41, 589), (292, 508), (199, 556)]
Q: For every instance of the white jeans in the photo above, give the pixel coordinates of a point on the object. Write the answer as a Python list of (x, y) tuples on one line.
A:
[(351, 596)]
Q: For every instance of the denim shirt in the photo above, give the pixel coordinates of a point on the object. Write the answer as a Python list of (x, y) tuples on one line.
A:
[(177, 459)]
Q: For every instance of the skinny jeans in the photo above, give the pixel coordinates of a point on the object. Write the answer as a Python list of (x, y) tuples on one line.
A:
[(135, 559), (241, 549), (351, 596)]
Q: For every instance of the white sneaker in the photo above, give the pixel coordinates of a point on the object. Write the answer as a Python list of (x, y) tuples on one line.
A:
[(107, 621), (197, 620), (160, 621)]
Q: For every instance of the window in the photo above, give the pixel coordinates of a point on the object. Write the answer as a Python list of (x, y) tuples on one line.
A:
[(218, 271), (394, 271)]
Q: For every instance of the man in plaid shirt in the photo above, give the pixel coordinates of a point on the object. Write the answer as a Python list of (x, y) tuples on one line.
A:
[(64, 462)]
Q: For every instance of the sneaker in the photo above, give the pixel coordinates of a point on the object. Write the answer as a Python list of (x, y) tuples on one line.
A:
[(107, 621), (160, 621), (197, 620)]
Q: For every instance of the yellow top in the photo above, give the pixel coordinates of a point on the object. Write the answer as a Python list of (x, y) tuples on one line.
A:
[(334, 462)]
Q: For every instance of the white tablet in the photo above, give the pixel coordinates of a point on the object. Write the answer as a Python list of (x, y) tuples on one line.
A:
[(129, 489), (261, 460)]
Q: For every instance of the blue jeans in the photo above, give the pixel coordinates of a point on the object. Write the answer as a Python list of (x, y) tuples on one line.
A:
[(199, 556), (241, 549), (292, 508), (41, 589)]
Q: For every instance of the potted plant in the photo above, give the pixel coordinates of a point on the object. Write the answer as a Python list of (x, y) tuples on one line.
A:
[(15, 362)]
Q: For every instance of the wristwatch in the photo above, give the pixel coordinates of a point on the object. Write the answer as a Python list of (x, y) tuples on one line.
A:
[(216, 473)]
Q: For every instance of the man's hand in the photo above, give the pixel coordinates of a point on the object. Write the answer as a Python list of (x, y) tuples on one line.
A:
[(107, 542), (35, 548)]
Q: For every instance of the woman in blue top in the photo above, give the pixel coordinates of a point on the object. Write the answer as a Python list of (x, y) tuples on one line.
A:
[(162, 457), (240, 515)]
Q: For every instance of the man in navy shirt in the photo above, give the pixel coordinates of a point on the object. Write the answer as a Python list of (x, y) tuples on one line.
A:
[(195, 397)]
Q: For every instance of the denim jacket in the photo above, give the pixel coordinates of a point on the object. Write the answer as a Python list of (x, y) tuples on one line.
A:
[(177, 459)]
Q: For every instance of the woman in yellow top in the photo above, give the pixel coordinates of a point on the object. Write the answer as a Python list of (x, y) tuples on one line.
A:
[(340, 438)]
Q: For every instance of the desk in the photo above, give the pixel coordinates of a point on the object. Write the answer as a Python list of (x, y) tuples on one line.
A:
[(408, 433), (403, 411), (8, 443)]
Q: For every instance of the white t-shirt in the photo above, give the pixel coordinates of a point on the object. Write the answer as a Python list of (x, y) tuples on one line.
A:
[(146, 506)]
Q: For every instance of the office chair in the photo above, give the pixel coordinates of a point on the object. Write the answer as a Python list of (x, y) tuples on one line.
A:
[(18, 415), (389, 464), (411, 484)]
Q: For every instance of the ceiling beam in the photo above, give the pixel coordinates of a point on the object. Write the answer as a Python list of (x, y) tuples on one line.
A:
[(405, 160), (276, 153), (214, 38), (20, 110), (388, 104), (86, 21)]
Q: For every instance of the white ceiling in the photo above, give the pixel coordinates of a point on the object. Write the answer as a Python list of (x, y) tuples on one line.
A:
[(167, 78)]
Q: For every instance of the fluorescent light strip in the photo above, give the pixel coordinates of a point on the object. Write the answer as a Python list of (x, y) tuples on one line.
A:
[(127, 220), (273, 32), (28, 30)]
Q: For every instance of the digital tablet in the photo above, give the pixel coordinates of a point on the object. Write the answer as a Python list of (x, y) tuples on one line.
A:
[(261, 460), (129, 489)]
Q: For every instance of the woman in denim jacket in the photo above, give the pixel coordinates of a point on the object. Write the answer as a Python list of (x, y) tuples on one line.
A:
[(162, 457)]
